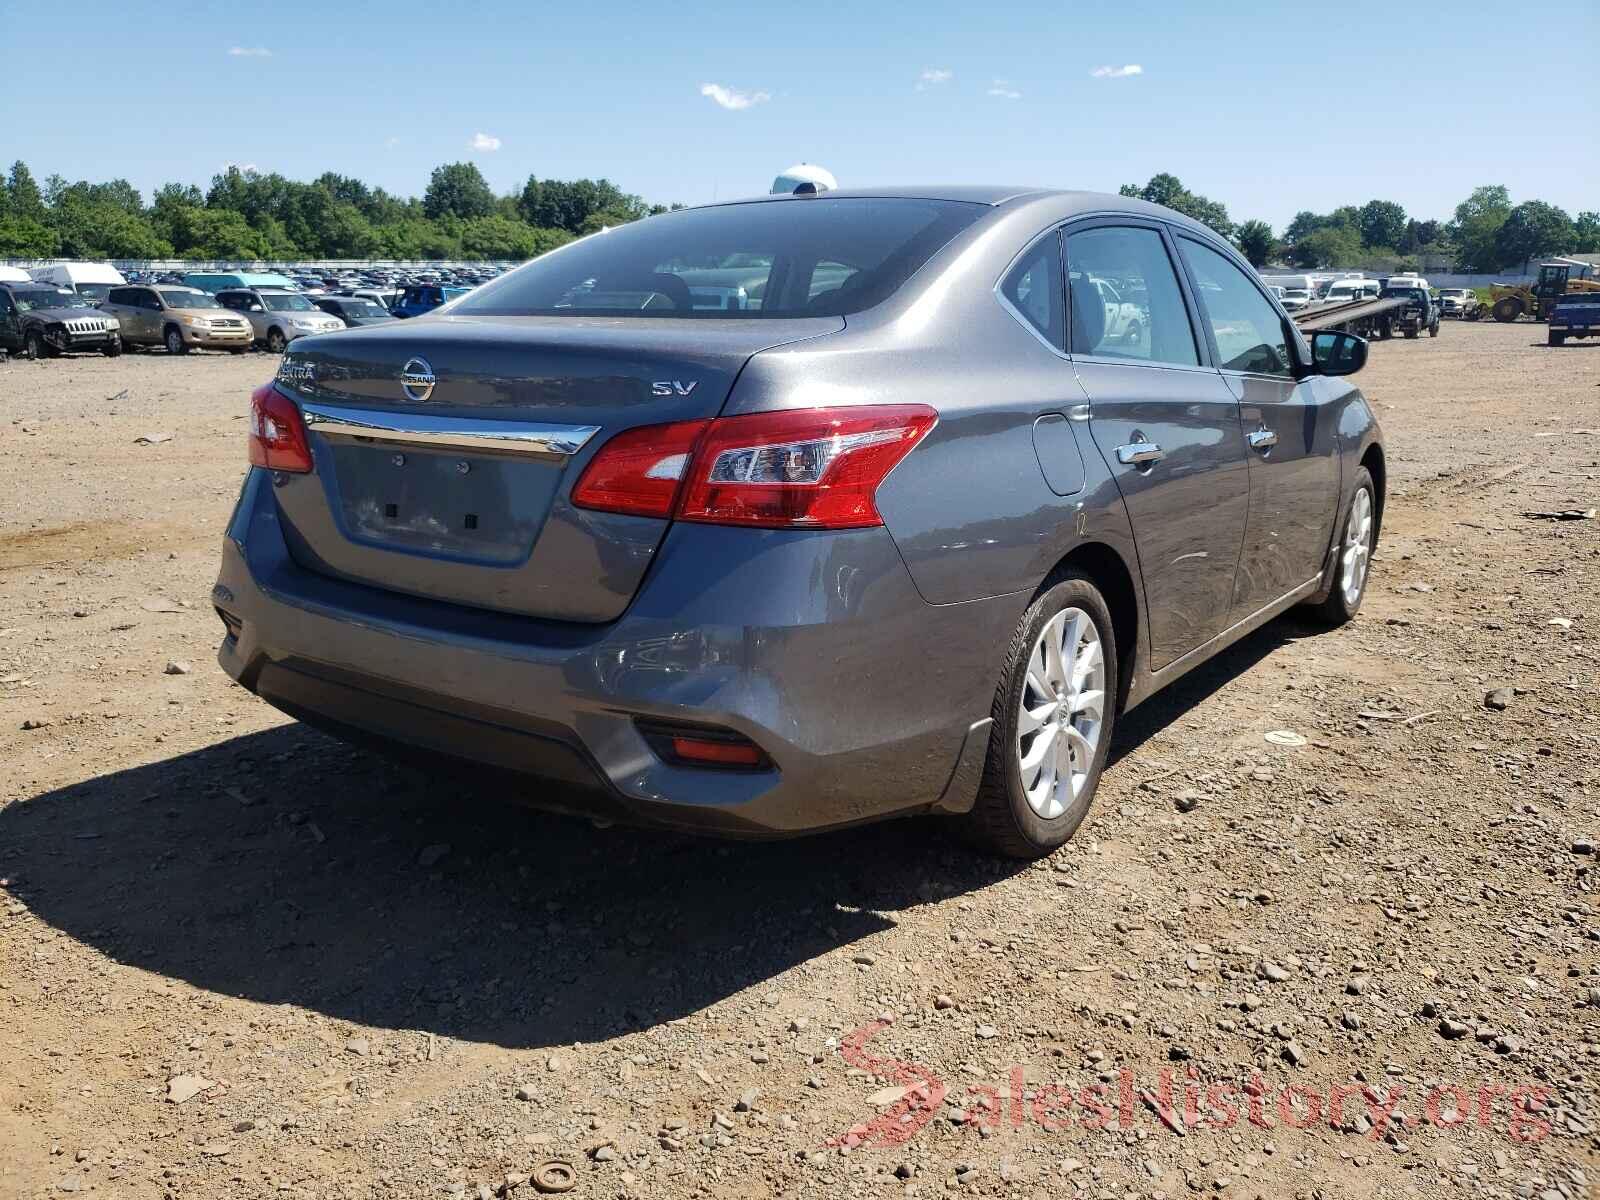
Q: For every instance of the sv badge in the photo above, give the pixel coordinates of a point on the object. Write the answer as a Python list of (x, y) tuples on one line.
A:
[(673, 387)]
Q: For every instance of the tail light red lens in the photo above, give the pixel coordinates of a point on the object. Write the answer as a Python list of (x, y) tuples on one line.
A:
[(277, 434), (717, 752), (816, 468), (638, 472)]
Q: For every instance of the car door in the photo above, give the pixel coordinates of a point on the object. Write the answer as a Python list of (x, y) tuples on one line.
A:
[(1167, 426), (116, 305), (145, 311), (1288, 427), (10, 324)]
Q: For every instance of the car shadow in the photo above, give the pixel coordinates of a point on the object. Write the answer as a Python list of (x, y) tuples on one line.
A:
[(285, 867)]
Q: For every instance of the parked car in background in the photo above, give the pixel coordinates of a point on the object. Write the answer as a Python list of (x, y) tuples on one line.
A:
[(217, 281), (354, 310), (1343, 291), (1418, 314), (421, 298), (1461, 303), (92, 280), (1574, 315), (899, 538), (278, 317), (39, 320), (1294, 299), (179, 318)]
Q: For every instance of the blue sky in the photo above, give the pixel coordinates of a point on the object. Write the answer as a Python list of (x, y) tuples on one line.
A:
[(1269, 108)]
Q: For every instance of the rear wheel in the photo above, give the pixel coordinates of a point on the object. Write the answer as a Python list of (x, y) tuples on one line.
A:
[(1054, 712), (1357, 537), (1507, 308), (174, 340), (33, 345), (275, 340), (1433, 330)]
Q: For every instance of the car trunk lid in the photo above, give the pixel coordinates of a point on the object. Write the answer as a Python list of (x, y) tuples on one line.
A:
[(445, 449)]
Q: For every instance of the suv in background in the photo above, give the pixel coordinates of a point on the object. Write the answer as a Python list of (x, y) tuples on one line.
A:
[(179, 318), (1419, 313), (277, 317), (40, 320), (426, 297)]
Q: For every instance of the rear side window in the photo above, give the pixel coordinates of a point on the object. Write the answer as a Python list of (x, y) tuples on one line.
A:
[(118, 296), (1248, 331), (1126, 302), (773, 259), (1035, 290)]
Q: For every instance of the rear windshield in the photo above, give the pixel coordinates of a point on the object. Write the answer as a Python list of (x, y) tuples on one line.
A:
[(785, 258)]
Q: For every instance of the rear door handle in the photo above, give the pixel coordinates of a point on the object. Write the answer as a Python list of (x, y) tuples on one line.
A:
[(1262, 439), (1140, 454)]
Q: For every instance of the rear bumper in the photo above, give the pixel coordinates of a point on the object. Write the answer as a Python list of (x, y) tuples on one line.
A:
[(815, 646)]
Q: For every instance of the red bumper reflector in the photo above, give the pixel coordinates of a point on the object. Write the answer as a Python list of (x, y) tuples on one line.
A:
[(718, 753)]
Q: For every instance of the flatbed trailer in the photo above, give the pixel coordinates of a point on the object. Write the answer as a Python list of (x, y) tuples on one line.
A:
[(1363, 317)]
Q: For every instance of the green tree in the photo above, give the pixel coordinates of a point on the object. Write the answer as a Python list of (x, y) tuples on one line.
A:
[(457, 190), (1531, 229), (1586, 233), (1477, 224), (1168, 190), (22, 237), (23, 198), (1382, 224), (1256, 242), (570, 204), (1330, 246)]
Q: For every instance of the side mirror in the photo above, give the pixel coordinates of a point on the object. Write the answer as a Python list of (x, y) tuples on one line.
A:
[(1334, 353), (257, 308)]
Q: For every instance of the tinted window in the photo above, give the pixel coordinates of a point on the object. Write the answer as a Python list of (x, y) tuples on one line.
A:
[(1126, 302), (1034, 289), (791, 258), (119, 296), (1249, 333), (177, 299)]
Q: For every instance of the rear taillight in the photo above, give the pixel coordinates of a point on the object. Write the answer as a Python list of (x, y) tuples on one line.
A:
[(638, 472), (277, 434), (816, 468)]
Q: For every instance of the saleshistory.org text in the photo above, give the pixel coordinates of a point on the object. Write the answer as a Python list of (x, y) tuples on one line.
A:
[(1180, 1101)]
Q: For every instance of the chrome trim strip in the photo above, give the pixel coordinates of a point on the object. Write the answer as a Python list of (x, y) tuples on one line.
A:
[(462, 433)]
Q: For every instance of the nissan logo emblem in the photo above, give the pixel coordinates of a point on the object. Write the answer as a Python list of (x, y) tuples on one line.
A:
[(416, 379)]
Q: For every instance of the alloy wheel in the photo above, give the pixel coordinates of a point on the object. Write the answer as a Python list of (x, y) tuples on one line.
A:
[(1357, 550), (1061, 712)]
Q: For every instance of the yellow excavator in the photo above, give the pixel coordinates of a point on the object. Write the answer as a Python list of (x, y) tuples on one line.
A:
[(1557, 278)]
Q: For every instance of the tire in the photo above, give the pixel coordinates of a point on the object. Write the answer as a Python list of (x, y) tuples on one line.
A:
[(1356, 529), (1004, 820), (1433, 330), (1385, 331), (112, 349), (275, 340), (33, 348), (1507, 309), (1557, 339), (1411, 333), (173, 338)]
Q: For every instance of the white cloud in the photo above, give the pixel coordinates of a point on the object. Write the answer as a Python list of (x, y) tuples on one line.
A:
[(249, 52), (1109, 72), (1003, 89), (734, 100), (933, 77), (484, 143)]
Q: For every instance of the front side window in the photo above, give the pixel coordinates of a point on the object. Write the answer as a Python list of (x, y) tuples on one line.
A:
[(790, 258), (1126, 302), (1249, 333), (1035, 290)]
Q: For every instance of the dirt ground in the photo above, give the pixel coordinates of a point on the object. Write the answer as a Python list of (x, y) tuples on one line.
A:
[(240, 960)]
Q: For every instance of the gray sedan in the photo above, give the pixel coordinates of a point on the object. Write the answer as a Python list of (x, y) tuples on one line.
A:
[(905, 530)]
